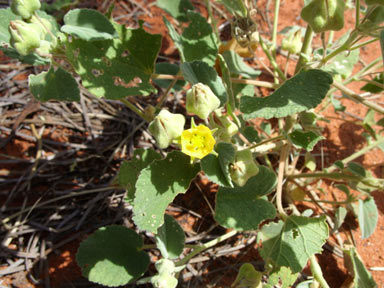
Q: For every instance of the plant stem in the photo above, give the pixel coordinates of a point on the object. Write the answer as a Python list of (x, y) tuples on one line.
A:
[(45, 27), (334, 176), (317, 273), (359, 153), (165, 95), (205, 246), (305, 49), (357, 15), (275, 23), (211, 18), (135, 109), (281, 137), (363, 44), (233, 80), (271, 59), (345, 46), (358, 98), (280, 177)]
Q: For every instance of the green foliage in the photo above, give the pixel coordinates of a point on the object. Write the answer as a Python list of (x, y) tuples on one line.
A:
[(371, 87), (130, 170), (244, 208), (302, 92), (283, 275), (362, 278), (55, 84), (200, 72), (170, 238), (305, 140), (56, 5), (6, 15), (116, 68), (178, 9), (237, 66), (368, 216), (216, 168), (158, 185), (343, 63), (197, 42), (87, 24), (293, 242), (112, 256), (247, 277), (235, 6)]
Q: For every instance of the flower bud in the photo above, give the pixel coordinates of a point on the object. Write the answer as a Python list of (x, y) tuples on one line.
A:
[(44, 49), (292, 44), (225, 127), (43, 30), (166, 127), (243, 168), (25, 37), (25, 8), (164, 280), (201, 100)]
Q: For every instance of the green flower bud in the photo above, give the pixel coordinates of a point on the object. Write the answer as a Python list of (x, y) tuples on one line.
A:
[(44, 49), (40, 27), (324, 15), (25, 8), (201, 100), (292, 43), (243, 168), (225, 127), (164, 280), (166, 127), (25, 37), (165, 266)]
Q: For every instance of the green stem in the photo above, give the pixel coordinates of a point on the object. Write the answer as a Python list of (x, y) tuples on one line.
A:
[(271, 59), (45, 27), (135, 109), (281, 137), (280, 177), (275, 23), (329, 202), (357, 17), (345, 46), (205, 246), (305, 49), (334, 176), (363, 44), (359, 153), (211, 18), (350, 94), (317, 272)]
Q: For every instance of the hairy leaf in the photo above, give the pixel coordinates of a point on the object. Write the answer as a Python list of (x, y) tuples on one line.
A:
[(158, 185), (293, 242), (368, 216), (88, 25), (170, 238), (243, 208), (305, 140), (130, 170), (112, 257), (116, 68), (176, 8), (58, 85), (302, 92)]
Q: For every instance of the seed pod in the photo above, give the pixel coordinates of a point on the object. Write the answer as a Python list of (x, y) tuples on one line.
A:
[(25, 8), (324, 15), (201, 100), (292, 43), (243, 168), (166, 127), (43, 30), (226, 128), (25, 37)]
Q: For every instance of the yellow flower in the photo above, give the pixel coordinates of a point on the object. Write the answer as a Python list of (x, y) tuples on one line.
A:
[(197, 142)]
